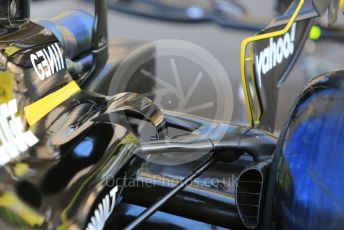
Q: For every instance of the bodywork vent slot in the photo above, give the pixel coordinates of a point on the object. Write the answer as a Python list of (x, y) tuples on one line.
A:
[(249, 197)]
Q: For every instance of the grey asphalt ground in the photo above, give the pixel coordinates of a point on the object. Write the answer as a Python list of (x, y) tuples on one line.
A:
[(223, 44)]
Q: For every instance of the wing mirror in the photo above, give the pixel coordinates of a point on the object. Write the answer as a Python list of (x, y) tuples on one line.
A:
[(13, 13)]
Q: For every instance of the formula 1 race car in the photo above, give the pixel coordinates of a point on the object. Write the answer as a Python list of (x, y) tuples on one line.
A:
[(75, 158)]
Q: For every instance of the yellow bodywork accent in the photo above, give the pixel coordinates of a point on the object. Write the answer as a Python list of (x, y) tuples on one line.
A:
[(341, 4), (21, 169), (10, 201), (254, 86), (9, 51), (6, 87), (42, 107), (244, 44)]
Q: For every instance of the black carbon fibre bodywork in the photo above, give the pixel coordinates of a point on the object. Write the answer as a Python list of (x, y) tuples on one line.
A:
[(84, 141), (100, 161)]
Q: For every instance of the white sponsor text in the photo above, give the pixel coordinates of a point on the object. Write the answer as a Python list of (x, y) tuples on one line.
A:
[(52, 61), (275, 53)]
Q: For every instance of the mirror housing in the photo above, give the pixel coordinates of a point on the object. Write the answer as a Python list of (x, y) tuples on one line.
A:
[(14, 13)]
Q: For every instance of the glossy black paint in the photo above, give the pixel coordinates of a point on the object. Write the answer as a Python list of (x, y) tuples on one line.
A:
[(275, 57), (273, 79), (150, 211), (126, 213), (209, 199), (55, 179), (82, 142), (60, 181)]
